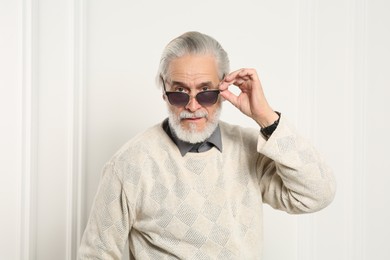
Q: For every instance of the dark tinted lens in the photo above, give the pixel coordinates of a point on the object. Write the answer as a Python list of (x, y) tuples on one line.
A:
[(208, 97), (178, 98)]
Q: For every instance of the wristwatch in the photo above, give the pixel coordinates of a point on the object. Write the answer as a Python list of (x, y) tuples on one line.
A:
[(267, 131)]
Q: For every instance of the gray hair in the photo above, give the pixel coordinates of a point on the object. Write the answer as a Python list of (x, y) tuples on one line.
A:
[(193, 43)]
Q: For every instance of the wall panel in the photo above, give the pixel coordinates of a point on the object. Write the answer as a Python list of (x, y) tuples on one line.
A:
[(305, 100), (44, 100), (377, 126), (10, 129)]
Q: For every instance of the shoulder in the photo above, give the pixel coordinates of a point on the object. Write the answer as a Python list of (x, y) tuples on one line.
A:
[(237, 132), (146, 144)]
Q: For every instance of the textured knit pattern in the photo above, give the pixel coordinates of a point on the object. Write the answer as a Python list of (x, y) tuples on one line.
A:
[(203, 205)]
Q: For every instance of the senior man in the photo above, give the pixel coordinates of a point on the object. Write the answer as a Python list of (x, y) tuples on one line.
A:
[(192, 186)]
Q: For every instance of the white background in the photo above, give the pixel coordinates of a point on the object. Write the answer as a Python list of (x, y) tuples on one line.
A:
[(77, 81)]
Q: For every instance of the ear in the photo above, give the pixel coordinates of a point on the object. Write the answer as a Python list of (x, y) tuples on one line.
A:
[(164, 97)]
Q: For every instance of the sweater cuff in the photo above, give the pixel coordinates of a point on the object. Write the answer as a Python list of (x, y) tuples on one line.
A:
[(269, 146)]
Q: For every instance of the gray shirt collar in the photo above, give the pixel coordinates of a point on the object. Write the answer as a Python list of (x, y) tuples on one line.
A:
[(214, 140)]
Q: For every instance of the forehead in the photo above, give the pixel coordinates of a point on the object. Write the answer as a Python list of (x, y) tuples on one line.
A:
[(193, 68)]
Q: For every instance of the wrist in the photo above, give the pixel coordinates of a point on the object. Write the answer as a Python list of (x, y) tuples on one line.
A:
[(268, 130), (268, 119)]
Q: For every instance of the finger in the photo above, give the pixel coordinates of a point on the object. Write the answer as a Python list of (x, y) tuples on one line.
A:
[(231, 79), (223, 85), (239, 82), (229, 96), (232, 76), (240, 75), (239, 78), (249, 75)]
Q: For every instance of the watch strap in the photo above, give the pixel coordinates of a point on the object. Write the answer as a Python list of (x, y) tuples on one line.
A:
[(267, 131)]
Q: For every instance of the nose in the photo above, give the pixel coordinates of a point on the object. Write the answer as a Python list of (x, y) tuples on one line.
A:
[(193, 104)]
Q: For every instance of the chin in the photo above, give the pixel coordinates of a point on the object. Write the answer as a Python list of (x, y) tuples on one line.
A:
[(192, 132), (193, 127)]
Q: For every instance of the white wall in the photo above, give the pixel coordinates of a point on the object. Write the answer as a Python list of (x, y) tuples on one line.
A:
[(77, 81)]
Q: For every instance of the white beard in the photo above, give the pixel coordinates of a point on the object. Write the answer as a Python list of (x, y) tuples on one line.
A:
[(192, 135)]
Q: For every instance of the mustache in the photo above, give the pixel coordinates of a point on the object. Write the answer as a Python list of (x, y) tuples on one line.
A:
[(186, 114)]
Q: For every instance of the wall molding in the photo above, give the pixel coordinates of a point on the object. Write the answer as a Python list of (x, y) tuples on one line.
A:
[(307, 66), (306, 97), (28, 232), (356, 72), (28, 73), (76, 129)]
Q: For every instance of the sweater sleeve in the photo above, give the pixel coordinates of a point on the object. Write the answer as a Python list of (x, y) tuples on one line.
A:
[(293, 175), (109, 223)]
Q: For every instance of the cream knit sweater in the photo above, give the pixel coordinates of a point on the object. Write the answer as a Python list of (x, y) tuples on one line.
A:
[(203, 205)]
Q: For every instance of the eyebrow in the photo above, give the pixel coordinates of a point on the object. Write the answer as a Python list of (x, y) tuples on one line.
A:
[(182, 84)]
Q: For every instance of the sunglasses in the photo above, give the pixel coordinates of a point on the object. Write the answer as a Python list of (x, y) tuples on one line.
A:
[(181, 99)]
